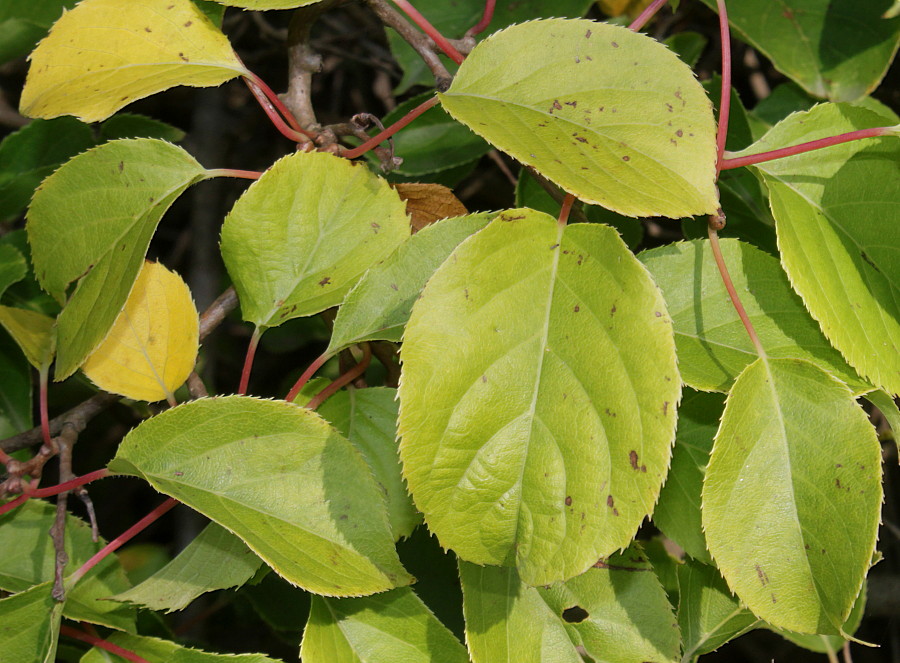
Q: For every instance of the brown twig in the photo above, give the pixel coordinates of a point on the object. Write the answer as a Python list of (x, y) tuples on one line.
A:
[(386, 353), (303, 62), (65, 442)]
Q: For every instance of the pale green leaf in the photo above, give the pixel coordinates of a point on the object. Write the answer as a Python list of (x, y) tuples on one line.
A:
[(795, 466), (610, 115), (836, 212), (368, 418), (708, 614), (839, 49), (268, 4), (304, 233), (713, 346), (33, 333), (104, 54), (29, 626), (510, 622), (677, 514), (888, 408), (393, 626), (277, 475), (92, 221), (216, 559), (12, 266), (832, 644), (27, 557), (379, 305), (538, 396), (155, 650)]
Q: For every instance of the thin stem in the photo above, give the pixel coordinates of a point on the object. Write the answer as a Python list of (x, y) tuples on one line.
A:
[(248, 361), (231, 172), (439, 39), (307, 374), (121, 540), (750, 159), (391, 130), (725, 96), (12, 504), (729, 286), (90, 477), (567, 203), (5, 458), (486, 18), (45, 418), (277, 120), (647, 14), (279, 105), (344, 379), (93, 640)]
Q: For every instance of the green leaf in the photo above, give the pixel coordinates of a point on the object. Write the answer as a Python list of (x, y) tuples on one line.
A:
[(795, 466), (713, 346), (268, 4), (677, 514), (147, 46), (840, 49), (888, 408), (297, 492), (836, 224), (832, 644), (531, 194), (27, 557), (23, 24), (29, 626), (588, 110), (393, 626), (13, 267), (509, 622), (92, 220), (303, 234), (708, 614), (15, 396), (689, 46), (155, 650), (31, 154), (32, 332), (785, 99), (215, 559), (521, 439), (131, 125), (379, 305), (368, 418)]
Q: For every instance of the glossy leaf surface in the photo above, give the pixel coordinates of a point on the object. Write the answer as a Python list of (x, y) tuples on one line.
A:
[(713, 346), (795, 466), (104, 54), (92, 221), (392, 626), (380, 304), (588, 110), (538, 396), (152, 346), (303, 234), (280, 478), (836, 213), (154, 650), (368, 418), (215, 559)]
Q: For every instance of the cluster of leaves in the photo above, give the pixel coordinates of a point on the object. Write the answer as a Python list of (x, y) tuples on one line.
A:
[(557, 389)]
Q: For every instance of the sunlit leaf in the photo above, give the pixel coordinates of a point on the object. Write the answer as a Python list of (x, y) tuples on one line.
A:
[(610, 115), (33, 332), (392, 626), (836, 214), (830, 644), (215, 559), (521, 439), (29, 626), (303, 234), (152, 346), (155, 650), (277, 475), (92, 221), (713, 346), (268, 4), (104, 54), (795, 466)]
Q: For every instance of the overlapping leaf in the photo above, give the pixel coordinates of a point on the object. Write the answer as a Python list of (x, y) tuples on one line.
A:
[(610, 115), (23, 24), (303, 234), (155, 650), (33, 332), (836, 211), (538, 396), (105, 54), (795, 466), (92, 220), (268, 4), (13, 267), (279, 477), (380, 304), (830, 644), (15, 397), (713, 346), (152, 345), (393, 626), (29, 625)]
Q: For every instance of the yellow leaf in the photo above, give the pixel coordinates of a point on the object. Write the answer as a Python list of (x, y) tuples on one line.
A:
[(33, 332), (105, 54), (152, 346)]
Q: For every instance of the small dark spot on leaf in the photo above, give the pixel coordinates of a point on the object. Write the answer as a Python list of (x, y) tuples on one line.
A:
[(658, 314), (557, 105), (763, 578), (609, 413), (188, 24), (121, 166), (568, 500), (587, 35), (466, 293), (179, 474), (343, 516), (665, 408), (575, 615), (375, 227), (581, 139), (484, 378), (774, 600), (612, 311), (615, 45), (555, 246), (147, 30), (325, 281), (183, 57), (626, 158), (393, 286), (633, 459), (788, 14), (577, 308), (577, 60), (573, 104)]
